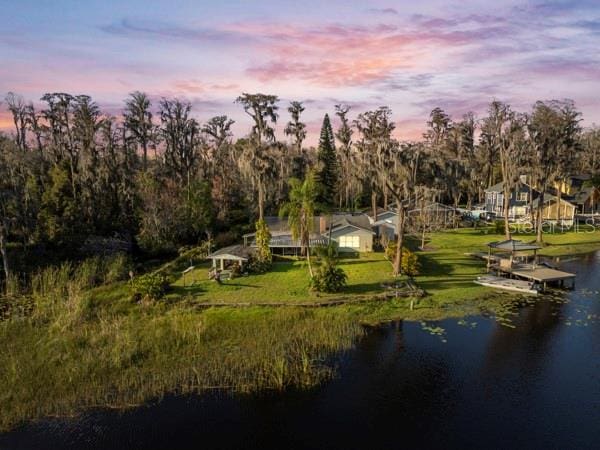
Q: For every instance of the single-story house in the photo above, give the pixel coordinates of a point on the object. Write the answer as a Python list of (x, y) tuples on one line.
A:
[(352, 236), (283, 242), (351, 231), (382, 215)]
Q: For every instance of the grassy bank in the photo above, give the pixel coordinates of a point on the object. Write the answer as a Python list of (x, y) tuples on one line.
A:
[(287, 281), (82, 347)]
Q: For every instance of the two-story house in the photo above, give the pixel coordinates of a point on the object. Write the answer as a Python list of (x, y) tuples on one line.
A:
[(520, 200)]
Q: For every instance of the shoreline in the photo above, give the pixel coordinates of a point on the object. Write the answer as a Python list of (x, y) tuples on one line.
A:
[(116, 352)]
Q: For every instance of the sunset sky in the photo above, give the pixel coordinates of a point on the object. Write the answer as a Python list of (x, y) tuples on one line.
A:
[(411, 56)]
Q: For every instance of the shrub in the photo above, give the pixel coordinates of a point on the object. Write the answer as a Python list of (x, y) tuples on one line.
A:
[(151, 286), (255, 266), (410, 261), (328, 277), (263, 238)]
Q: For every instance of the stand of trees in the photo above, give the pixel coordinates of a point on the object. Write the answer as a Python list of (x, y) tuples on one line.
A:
[(160, 179)]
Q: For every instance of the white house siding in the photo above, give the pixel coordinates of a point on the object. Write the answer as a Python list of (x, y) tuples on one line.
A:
[(365, 239)]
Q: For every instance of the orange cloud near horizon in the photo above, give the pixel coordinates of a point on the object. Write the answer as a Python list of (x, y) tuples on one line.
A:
[(6, 122)]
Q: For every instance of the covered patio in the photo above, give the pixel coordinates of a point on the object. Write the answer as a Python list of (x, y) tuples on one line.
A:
[(228, 255)]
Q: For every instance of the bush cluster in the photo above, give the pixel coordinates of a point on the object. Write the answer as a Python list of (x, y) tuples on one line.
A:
[(150, 286), (328, 277), (410, 262)]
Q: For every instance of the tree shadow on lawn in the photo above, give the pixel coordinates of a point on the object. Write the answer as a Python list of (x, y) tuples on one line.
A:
[(285, 266), (363, 288), (182, 291), (346, 262), (463, 282), (233, 283), (432, 266)]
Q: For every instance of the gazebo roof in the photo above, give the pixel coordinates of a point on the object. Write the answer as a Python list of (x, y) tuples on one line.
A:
[(513, 245), (233, 252)]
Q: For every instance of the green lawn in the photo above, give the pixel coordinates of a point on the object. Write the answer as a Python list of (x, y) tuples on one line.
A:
[(447, 272), (288, 280)]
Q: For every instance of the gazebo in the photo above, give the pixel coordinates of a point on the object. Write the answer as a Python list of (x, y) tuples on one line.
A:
[(233, 253), (514, 247)]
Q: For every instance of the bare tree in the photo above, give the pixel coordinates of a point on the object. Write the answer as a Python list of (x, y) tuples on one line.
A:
[(344, 137), (138, 121), (553, 131), (503, 130), (181, 134), (262, 109), (295, 128), (18, 108), (218, 129)]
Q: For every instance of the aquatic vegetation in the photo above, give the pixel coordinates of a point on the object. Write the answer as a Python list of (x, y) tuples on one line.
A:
[(468, 324), (434, 330)]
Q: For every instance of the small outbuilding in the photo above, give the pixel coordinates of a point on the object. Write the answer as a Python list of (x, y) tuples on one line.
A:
[(232, 254)]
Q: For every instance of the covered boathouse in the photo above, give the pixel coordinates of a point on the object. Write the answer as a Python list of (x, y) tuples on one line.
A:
[(516, 262)]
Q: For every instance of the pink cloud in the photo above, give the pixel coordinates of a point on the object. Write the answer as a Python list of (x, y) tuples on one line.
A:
[(336, 54), (196, 86)]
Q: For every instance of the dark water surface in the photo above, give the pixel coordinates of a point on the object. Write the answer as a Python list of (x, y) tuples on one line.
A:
[(477, 385)]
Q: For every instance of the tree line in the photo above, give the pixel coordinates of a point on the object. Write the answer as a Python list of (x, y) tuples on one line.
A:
[(158, 178)]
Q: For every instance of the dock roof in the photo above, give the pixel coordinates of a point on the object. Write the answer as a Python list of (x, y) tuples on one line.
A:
[(513, 245)]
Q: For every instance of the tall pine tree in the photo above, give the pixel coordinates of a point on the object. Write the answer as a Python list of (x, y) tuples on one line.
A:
[(327, 174)]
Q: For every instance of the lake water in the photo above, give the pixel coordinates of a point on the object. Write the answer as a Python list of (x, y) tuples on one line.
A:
[(477, 384)]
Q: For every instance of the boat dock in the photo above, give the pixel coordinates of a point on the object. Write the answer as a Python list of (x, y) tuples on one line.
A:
[(539, 274), (521, 286), (518, 271)]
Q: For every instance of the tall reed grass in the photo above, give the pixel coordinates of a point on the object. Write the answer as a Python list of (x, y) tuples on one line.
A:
[(59, 361)]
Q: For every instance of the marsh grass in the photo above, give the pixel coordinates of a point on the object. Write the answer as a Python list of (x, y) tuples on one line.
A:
[(59, 367)]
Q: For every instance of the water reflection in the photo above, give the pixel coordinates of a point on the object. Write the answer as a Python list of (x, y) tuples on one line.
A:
[(525, 345)]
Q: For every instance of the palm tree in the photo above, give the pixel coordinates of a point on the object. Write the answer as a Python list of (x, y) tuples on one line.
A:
[(300, 210)]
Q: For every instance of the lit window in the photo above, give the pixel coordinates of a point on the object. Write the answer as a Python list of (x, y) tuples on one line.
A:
[(350, 241)]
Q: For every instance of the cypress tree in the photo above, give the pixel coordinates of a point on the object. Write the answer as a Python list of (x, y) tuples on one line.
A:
[(327, 174)]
